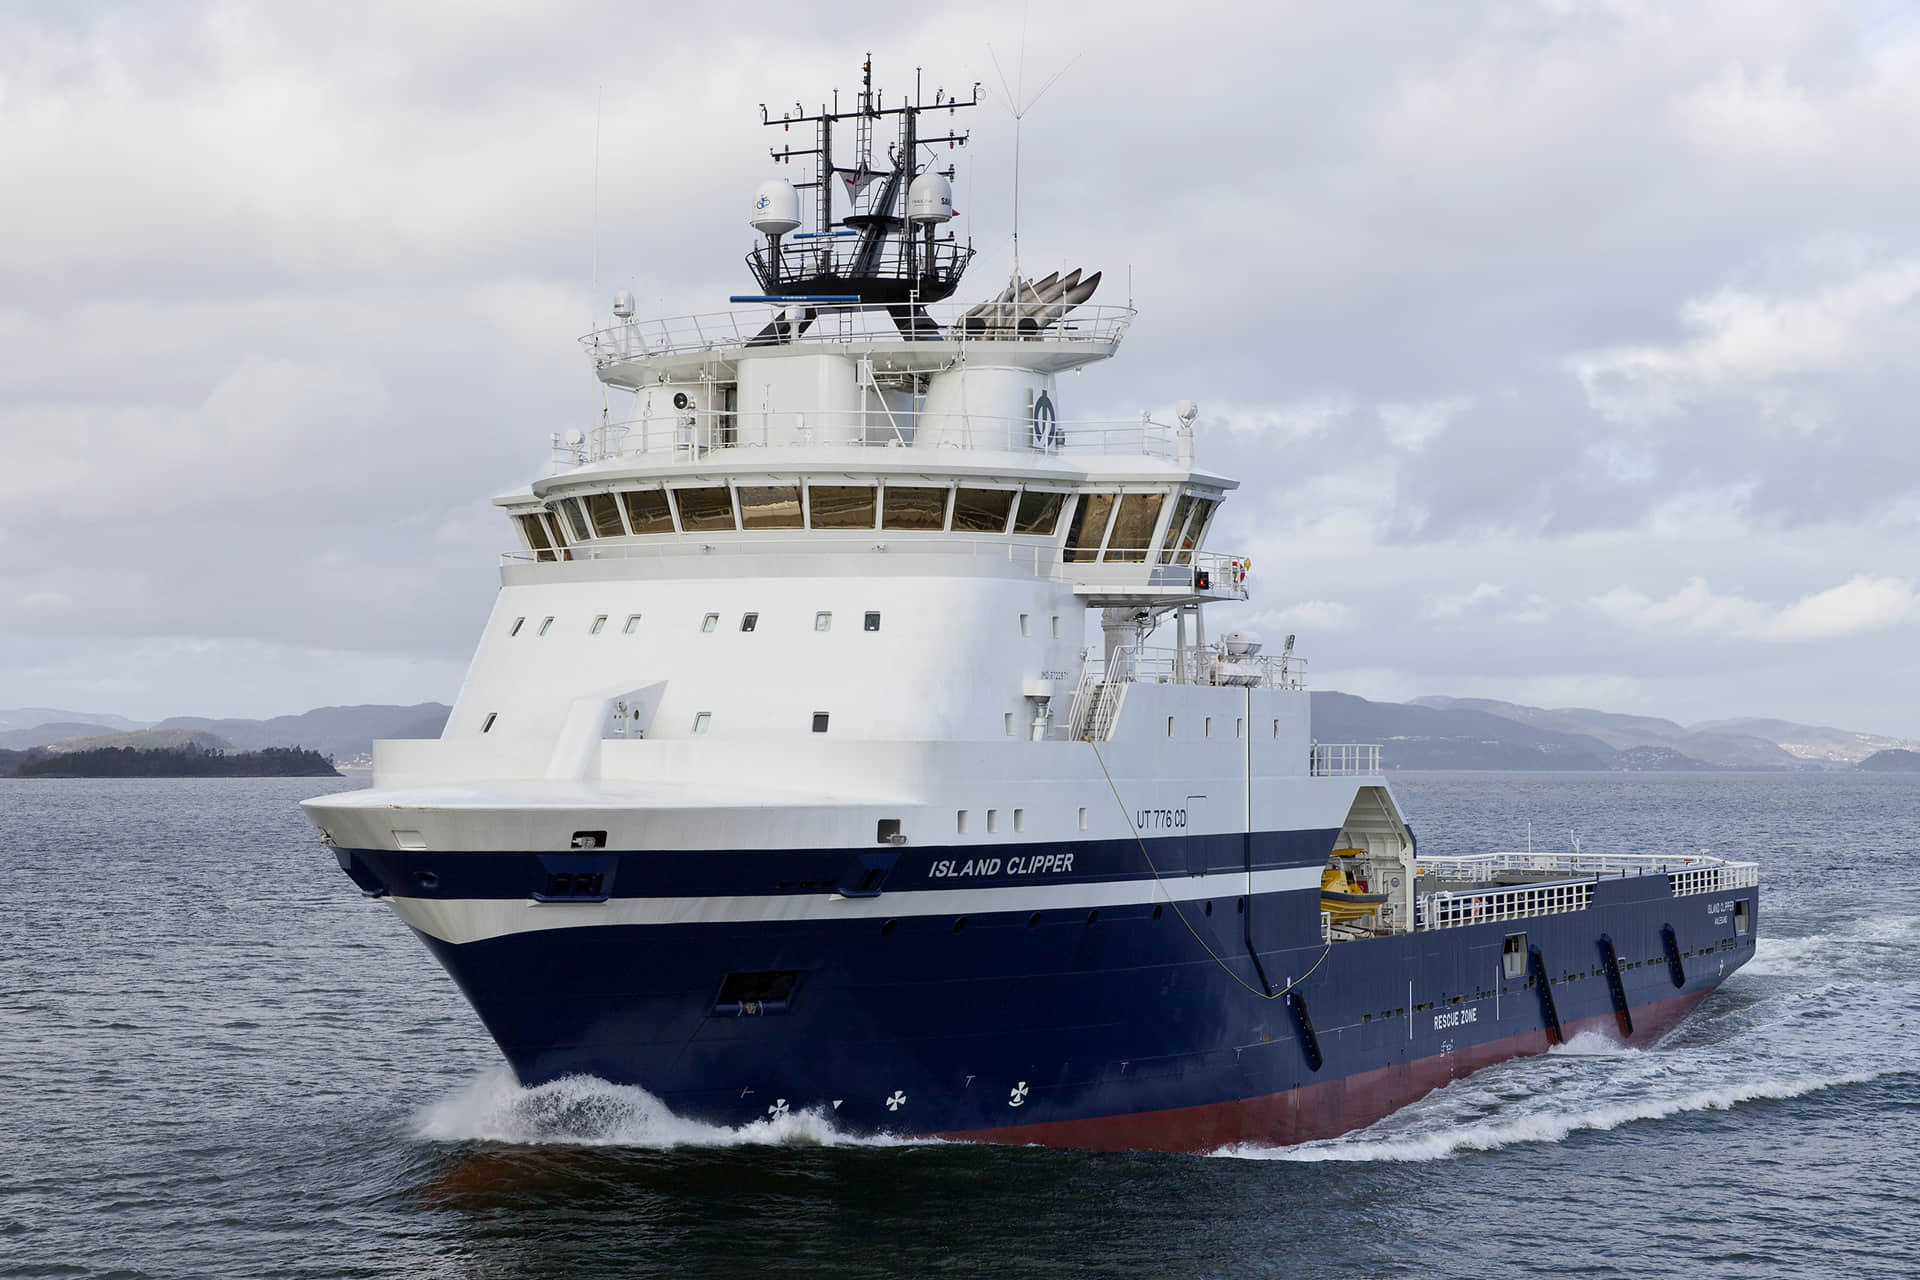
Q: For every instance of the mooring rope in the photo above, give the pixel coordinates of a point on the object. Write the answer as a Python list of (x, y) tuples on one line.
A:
[(1127, 814)]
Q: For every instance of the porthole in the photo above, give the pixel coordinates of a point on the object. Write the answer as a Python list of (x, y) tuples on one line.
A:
[(959, 923)]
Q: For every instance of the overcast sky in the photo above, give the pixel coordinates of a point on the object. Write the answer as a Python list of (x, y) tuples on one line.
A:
[(1566, 350)]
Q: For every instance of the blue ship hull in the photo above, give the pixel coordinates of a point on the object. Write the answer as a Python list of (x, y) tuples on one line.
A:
[(1167, 1024)]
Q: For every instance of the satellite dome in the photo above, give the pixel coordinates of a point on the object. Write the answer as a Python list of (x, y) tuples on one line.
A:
[(623, 305), (929, 199), (776, 207)]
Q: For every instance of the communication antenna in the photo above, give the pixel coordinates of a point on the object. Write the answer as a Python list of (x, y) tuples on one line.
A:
[(599, 98), (1018, 106)]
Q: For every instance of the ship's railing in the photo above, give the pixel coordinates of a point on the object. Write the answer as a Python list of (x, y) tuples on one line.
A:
[(1096, 701), (1451, 908), (698, 432), (851, 327), (1210, 575), (1728, 875), (1345, 759), (1486, 866)]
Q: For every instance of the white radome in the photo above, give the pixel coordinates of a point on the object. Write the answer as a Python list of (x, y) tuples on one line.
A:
[(776, 207)]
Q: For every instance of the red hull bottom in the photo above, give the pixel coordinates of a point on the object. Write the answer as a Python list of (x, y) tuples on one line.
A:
[(1321, 1110)]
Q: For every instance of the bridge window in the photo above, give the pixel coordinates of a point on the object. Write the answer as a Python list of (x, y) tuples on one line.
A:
[(1133, 526), (1088, 528), (647, 510), (577, 518), (914, 507), (1176, 526), (1196, 529), (605, 513), (842, 506), (705, 510), (534, 531), (982, 510), (770, 506), (1039, 512)]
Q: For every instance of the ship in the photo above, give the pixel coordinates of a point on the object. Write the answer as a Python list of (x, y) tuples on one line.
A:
[(856, 731)]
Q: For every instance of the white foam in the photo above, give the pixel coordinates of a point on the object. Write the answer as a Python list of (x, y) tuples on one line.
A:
[(1493, 1134), (587, 1111)]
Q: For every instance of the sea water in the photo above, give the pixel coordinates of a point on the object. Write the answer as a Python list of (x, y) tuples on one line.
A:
[(217, 1059)]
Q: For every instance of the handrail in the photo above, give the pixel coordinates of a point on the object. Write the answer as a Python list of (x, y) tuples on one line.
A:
[(1197, 664), (1484, 866), (699, 432), (836, 325), (1344, 759), (1208, 574)]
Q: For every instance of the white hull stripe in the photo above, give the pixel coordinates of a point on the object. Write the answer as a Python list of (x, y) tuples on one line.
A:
[(463, 920)]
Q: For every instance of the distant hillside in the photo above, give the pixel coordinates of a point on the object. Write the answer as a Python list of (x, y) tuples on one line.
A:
[(1892, 760), (53, 731), (182, 762), (340, 732), (141, 740), (12, 718), (1730, 744), (1417, 737)]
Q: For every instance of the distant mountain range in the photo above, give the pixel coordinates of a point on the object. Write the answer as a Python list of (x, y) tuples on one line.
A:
[(344, 733), (1480, 733), (1427, 733)]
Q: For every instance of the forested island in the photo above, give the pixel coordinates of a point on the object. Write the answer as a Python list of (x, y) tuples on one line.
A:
[(190, 761)]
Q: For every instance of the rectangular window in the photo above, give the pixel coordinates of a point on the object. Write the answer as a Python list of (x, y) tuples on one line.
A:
[(705, 510), (748, 621), (960, 821), (647, 510), (993, 821), (1514, 956), (605, 514), (517, 624), (1239, 728), (633, 623), (913, 507), (823, 621), (1083, 817), (842, 506), (534, 531), (488, 726), (545, 623), (770, 506), (1009, 720), (1133, 526), (1207, 729), (1019, 819), (982, 510), (577, 518), (701, 721), (709, 622), (1026, 625), (819, 722), (599, 625), (1196, 529), (1276, 728), (1169, 726), (1039, 512), (1088, 527), (1056, 626), (872, 622)]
